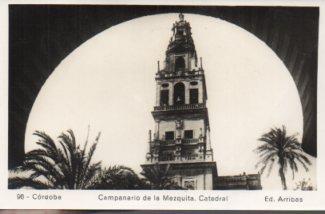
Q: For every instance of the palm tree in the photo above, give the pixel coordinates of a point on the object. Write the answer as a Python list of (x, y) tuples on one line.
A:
[(159, 176), (57, 166), (118, 177), (283, 149)]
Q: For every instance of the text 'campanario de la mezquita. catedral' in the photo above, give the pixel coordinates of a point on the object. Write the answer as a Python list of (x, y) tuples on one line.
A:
[(181, 137)]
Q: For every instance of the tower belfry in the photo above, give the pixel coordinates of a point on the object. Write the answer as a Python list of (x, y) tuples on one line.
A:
[(181, 135)]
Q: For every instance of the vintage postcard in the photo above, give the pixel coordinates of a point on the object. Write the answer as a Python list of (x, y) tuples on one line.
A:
[(209, 105)]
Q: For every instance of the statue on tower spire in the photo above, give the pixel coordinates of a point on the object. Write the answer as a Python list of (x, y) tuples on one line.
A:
[(181, 16)]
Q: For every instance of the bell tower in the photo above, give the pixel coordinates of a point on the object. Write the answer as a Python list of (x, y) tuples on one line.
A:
[(181, 135)]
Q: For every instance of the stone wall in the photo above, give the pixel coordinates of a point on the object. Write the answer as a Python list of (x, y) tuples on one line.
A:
[(195, 125), (201, 179), (239, 182)]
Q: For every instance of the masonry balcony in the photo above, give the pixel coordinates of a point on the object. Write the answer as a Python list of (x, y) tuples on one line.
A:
[(180, 107), (157, 143), (177, 157), (192, 141), (181, 73), (166, 158), (196, 110), (171, 143), (173, 158), (190, 157)]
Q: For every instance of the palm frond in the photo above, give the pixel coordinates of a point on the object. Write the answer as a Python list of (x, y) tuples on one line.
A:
[(90, 174), (63, 166), (287, 149), (50, 170), (19, 182), (270, 167), (159, 176), (302, 161), (266, 158)]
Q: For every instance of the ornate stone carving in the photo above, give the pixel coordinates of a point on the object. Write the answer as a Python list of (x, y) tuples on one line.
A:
[(179, 124)]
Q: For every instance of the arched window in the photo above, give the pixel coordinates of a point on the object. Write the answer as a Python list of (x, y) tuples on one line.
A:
[(179, 64), (179, 94)]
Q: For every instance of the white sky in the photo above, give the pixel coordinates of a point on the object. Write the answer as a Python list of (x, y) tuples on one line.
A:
[(108, 83)]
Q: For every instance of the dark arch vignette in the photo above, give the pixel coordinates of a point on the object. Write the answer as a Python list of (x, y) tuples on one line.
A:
[(40, 36)]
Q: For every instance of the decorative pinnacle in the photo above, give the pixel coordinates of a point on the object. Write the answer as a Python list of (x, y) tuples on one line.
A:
[(181, 17)]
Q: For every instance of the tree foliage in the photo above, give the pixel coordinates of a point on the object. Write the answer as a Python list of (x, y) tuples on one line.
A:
[(66, 165), (119, 177), (57, 166), (283, 150), (159, 177)]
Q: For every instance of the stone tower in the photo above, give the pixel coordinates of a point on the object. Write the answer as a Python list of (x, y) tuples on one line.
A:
[(181, 136)]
